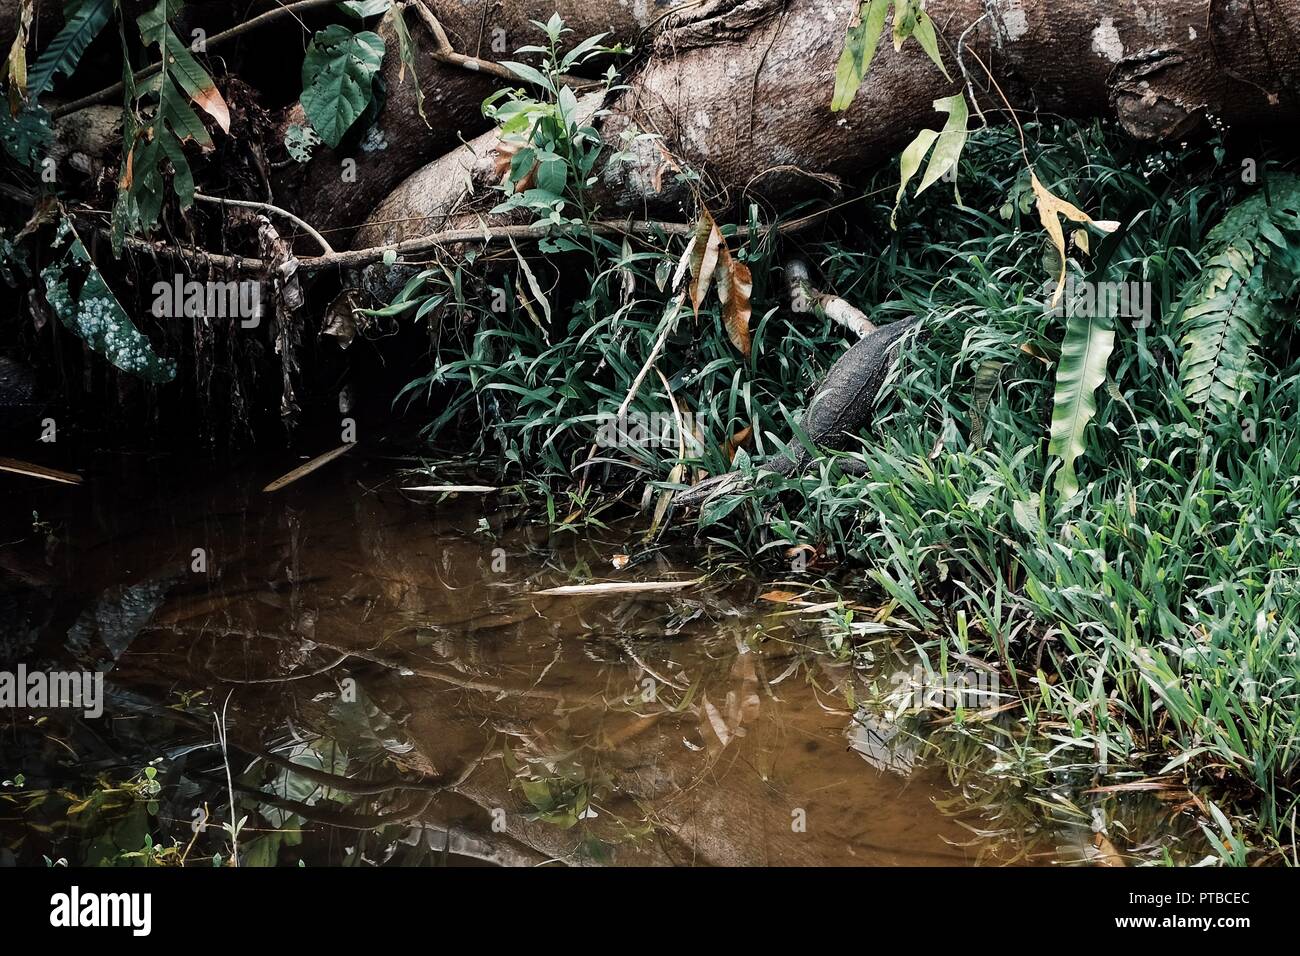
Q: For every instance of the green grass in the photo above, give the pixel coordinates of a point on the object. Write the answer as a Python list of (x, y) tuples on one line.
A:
[(1149, 624)]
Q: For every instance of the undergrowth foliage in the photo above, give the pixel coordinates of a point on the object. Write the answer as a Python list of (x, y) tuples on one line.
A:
[(1149, 617)]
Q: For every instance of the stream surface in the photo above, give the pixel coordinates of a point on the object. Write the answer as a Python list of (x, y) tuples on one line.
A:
[(393, 644)]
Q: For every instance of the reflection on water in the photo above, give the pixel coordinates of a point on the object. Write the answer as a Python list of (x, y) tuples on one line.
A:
[(373, 679)]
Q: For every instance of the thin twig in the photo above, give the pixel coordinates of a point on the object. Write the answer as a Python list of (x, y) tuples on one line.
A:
[(267, 207), (230, 786), (482, 234), (670, 323), (446, 53), (961, 65)]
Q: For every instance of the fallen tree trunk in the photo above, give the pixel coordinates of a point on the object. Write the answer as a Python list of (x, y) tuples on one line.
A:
[(740, 90), (453, 97)]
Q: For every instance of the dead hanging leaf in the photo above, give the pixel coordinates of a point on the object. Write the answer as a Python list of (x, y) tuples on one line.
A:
[(1104, 852), (1029, 348), (804, 551), (704, 252), (284, 264), (505, 151), (735, 283), (340, 319), (665, 164), (707, 256), (17, 63), (736, 441), (1050, 208), (676, 476), (214, 104)]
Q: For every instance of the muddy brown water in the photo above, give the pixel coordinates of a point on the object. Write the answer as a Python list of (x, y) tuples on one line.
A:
[(388, 637)]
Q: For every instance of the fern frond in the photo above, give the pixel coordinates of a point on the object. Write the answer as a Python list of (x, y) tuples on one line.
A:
[(65, 50), (1253, 262)]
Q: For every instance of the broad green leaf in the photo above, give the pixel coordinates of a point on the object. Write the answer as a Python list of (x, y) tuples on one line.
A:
[(1084, 353), (195, 81), (906, 14), (552, 174), (366, 8), (528, 74), (952, 139), (89, 308), (337, 77), (859, 48), (25, 135), (925, 35), (909, 163), (174, 109)]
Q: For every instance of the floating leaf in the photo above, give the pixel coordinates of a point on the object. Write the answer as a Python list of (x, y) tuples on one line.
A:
[(302, 471)]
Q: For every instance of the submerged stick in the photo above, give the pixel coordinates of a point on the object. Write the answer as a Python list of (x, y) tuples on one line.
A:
[(618, 587), (38, 471), (303, 470), (480, 489)]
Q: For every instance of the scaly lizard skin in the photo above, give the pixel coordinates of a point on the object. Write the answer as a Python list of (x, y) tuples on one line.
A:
[(841, 407)]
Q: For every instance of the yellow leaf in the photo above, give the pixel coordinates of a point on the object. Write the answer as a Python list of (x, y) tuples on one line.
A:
[(1050, 207), (909, 164)]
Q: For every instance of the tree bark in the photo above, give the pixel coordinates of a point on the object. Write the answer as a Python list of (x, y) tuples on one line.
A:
[(453, 98), (740, 89)]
